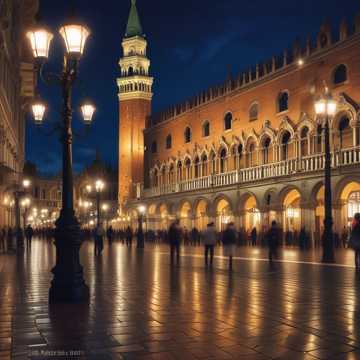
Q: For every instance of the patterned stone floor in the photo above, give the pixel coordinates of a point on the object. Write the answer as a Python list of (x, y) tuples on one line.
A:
[(143, 308)]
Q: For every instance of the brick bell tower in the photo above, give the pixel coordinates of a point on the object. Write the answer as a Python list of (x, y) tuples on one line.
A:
[(135, 94)]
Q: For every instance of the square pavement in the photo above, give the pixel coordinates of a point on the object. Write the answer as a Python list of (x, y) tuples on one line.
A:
[(143, 308)]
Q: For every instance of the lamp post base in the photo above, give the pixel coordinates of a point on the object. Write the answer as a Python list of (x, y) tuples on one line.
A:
[(328, 248), (68, 285)]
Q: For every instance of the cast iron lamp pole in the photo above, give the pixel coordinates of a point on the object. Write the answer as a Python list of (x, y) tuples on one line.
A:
[(325, 107), (68, 284)]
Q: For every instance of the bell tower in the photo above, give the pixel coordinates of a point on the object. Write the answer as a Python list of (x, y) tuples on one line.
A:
[(135, 94)]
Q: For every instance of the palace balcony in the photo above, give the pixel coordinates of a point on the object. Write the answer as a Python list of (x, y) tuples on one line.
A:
[(276, 170)]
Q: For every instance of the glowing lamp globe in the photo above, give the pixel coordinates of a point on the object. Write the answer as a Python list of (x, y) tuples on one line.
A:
[(75, 36), (87, 110), (331, 107), (38, 108), (99, 185), (40, 40), (320, 107)]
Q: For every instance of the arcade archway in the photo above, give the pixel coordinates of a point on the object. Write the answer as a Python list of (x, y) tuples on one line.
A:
[(185, 215), (201, 217), (224, 214), (252, 214), (292, 212)]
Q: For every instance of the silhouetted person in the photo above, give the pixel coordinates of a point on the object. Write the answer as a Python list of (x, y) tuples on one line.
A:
[(354, 241), (174, 240), (253, 236), (273, 238), (9, 239), (29, 233), (209, 238), (99, 240), (110, 234), (2, 239), (128, 236), (302, 238), (344, 237), (229, 241)]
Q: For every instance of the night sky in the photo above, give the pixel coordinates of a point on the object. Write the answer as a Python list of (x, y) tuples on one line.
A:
[(192, 44)]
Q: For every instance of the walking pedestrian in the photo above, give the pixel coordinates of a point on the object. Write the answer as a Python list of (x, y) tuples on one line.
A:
[(99, 239), (128, 236), (344, 237), (2, 239), (29, 232), (174, 240), (9, 239), (110, 234), (273, 237), (253, 236), (209, 238), (229, 241), (354, 241)]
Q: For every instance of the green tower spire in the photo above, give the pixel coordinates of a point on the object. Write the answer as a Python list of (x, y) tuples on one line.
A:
[(133, 27)]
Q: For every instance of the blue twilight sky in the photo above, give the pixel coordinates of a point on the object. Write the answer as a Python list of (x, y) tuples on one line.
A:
[(192, 44)]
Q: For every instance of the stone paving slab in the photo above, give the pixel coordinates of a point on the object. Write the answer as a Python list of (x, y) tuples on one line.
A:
[(143, 308)]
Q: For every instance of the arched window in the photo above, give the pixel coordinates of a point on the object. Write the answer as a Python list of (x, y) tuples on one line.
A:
[(154, 147), (283, 101), (188, 169), (266, 146), (171, 174), (206, 129), (213, 162), (155, 178), (168, 142), (251, 155), (254, 112), (163, 176), (285, 145), (131, 71), (187, 135), (179, 171), (223, 159), (197, 167), (204, 165), (228, 121), (340, 74), (304, 141), (345, 133)]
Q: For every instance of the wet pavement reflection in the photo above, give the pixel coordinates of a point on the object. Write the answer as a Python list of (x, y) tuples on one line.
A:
[(143, 308)]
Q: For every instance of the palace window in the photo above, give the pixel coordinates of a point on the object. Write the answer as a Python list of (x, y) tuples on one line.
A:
[(154, 147), (187, 135), (345, 133), (204, 165), (254, 112), (197, 167), (304, 141), (206, 129), (168, 142), (228, 121), (285, 145), (188, 169), (340, 74), (223, 159), (283, 102), (171, 174), (179, 171), (266, 146)]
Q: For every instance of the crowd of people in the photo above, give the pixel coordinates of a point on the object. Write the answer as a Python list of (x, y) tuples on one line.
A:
[(176, 235)]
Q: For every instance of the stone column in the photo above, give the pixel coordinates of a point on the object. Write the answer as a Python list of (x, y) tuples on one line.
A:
[(338, 216)]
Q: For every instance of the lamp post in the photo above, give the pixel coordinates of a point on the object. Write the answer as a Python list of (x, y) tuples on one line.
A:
[(325, 108), (25, 204), (68, 284), (140, 233)]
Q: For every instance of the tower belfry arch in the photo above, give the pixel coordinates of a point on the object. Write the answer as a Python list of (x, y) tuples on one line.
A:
[(135, 95)]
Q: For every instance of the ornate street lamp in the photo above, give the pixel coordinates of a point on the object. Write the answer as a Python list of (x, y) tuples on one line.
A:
[(68, 284), (325, 108)]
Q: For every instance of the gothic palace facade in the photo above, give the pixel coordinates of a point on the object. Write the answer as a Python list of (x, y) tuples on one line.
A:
[(250, 150)]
